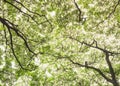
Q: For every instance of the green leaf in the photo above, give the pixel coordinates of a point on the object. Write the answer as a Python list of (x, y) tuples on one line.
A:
[(1, 27)]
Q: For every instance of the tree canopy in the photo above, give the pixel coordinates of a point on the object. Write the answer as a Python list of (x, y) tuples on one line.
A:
[(59, 42)]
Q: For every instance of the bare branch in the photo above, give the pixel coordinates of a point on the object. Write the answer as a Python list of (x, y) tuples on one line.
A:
[(110, 14), (28, 9), (7, 24), (107, 53), (90, 67), (22, 11), (114, 9), (46, 19), (89, 45), (10, 26), (114, 81), (80, 12), (13, 49)]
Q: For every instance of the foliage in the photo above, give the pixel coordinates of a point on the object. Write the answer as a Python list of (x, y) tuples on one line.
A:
[(59, 43)]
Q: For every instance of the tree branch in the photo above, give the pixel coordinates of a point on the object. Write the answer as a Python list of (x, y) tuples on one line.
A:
[(79, 10), (10, 26), (107, 53), (112, 12), (46, 19), (90, 67), (114, 81), (7, 24), (91, 45)]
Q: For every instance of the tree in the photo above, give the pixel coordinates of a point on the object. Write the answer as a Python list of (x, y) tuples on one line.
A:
[(59, 43)]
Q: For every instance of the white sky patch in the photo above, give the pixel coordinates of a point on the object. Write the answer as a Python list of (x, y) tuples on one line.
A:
[(18, 16), (3, 61), (48, 74), (52, 14), (85, 16), (85, 10), (2, 65), (37, 61), (25, 52), (70, 24), (83, 30), (18, 0), (23, 9), (119, 80), (3, 56), (37, 0), (75, 70), (41, 35), (13, 65), (91, 5), (44, 66), (2, 47), (40, 26), (22, 81)]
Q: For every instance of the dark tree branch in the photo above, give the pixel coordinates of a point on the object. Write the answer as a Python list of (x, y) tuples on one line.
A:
[(96, 46), (22, 11), (46, 19), (10, 26), (79, 10), (114, 81), (86, 66), (107, 54), (11, 42), (114, 9), (110, 14), (90, 67), (28, 9)]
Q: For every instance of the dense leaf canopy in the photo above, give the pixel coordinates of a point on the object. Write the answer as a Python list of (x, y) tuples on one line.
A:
[(59, 42)]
